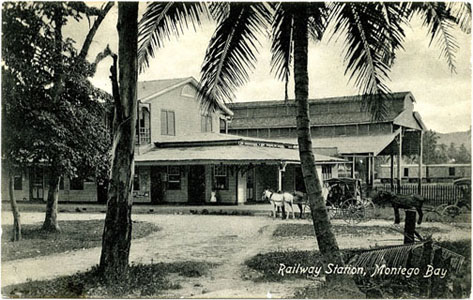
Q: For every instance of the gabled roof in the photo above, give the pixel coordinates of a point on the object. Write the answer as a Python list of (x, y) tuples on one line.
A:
[(148, 90), (152, 88), (324, 112)]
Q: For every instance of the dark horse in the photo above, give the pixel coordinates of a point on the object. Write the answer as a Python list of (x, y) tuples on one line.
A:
[(400, 201)]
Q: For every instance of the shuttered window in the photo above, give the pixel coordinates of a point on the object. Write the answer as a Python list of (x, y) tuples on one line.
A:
[(168, 122)]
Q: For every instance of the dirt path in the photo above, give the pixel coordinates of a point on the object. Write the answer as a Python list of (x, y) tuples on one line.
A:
[(225, 240)]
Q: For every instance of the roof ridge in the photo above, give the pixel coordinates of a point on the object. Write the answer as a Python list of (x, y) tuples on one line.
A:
[(292, 101), (166, 79)]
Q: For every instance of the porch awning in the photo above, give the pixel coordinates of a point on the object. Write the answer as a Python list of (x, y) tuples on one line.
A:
[(374, 144), (355, 145), (231, 154)]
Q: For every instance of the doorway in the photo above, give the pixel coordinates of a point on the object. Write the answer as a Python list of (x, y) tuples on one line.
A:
[(36, 184), (158, 185), (196, 185)]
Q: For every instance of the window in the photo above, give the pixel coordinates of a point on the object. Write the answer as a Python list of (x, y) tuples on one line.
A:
[(451, 171), (168, 124), (206, 123), (326, 172), (18, 182), (136, 181), (61, 183), (220, 181), (76, 184), (406, 172), (174, 178)]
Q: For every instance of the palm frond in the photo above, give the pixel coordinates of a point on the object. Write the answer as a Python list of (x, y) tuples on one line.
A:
[(282, 43), (390, 256), (369, 47), (462, 13), (162, 20), (438, 18), (397, 256), (231, 53), (318, 14)]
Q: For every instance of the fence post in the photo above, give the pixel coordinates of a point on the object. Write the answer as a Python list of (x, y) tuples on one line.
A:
[(409, 226), (426, 260)]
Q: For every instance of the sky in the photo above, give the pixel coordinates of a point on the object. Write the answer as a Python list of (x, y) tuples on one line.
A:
[(443, 98)]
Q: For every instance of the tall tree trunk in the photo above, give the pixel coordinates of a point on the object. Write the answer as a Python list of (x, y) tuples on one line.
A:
[(117, 231), (16, 234), (50, 221), (323, 230)]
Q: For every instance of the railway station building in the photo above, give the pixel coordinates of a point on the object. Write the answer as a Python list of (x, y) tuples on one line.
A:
[(341, 124)]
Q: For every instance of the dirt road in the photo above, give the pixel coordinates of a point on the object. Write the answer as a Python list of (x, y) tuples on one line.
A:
[(225, 240)]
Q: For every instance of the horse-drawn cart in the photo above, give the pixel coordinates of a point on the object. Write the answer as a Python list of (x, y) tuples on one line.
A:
[(344, 199), (449, 212)]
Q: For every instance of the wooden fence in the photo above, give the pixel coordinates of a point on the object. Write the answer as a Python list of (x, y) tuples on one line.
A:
[(435, 194)]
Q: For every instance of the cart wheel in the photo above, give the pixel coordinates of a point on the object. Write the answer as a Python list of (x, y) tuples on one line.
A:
[(441, 208), (332, 210), (353, 211), (370, 209), (450, 213)]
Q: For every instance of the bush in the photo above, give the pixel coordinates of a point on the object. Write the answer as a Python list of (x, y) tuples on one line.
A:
[(140, 280)]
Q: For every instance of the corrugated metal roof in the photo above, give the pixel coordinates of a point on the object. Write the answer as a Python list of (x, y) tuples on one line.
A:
[(355, 144), (235, 154), (395, 95), (323, 112), (410, 119)]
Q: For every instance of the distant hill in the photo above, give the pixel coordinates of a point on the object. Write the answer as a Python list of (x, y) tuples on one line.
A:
[(458, 138)]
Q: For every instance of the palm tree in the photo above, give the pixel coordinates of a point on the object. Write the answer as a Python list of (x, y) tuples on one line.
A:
[(373, 34)]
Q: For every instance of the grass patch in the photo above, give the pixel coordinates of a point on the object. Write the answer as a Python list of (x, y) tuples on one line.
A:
[(140, 281), (268, 265), (74, 235), (299, 230)]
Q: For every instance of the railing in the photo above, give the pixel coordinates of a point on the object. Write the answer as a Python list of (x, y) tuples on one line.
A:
[(434, 193), (144, 136)]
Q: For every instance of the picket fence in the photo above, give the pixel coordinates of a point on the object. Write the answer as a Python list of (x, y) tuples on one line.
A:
[(434, 193)]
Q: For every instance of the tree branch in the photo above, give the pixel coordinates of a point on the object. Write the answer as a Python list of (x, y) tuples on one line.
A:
[(93, 30), (118, 117)]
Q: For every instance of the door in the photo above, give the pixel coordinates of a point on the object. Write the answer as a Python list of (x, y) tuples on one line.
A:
[(250, 185), (36, 184), (196, 185), (158, 185)]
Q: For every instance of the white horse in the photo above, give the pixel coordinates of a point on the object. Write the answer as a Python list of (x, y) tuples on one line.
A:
[(279, 200)]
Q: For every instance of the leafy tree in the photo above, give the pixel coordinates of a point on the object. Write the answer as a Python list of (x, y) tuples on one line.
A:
[(463, 155), (58, 108), (373, 31), (452, 152), (430, 152)]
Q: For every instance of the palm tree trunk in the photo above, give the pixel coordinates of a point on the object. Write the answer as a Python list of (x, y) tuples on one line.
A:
[(50, 221), (323, 230), (117, 231), (16, 234)]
